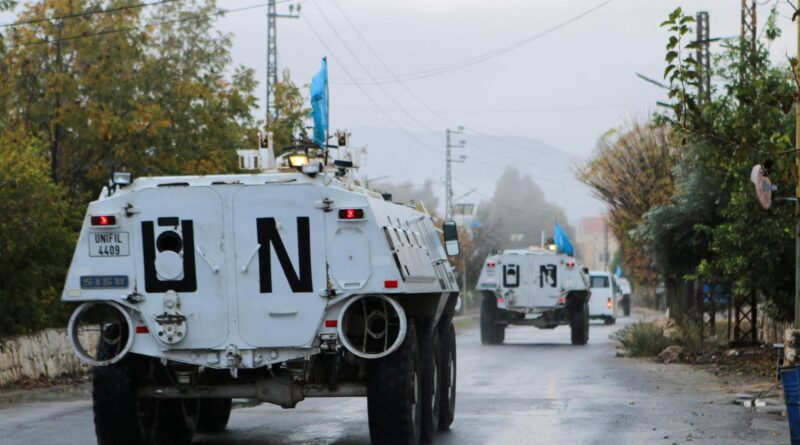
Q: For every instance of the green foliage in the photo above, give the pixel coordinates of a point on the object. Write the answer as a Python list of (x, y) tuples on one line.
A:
[(646, 339), (7, 4), (713, 228), (153, 100), (147, 90), (641, 339), (292, 111), (37, 236)]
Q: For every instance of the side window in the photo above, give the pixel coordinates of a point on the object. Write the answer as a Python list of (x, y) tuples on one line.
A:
[(510, 275), (547, 275)]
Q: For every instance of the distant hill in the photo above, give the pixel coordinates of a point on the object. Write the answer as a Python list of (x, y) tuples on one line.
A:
[(394, 155)]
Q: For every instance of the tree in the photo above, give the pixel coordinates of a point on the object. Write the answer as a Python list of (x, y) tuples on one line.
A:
[(37, 237), (292, 111), (135, 90), (631, 171)]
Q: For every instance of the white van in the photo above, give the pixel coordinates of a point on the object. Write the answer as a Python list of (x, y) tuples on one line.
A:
[(602, 305)]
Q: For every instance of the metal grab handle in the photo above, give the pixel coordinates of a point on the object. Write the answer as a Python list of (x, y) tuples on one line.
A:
[(214, 268), (250, 259)]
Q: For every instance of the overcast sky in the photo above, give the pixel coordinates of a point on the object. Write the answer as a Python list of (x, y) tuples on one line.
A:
[(565, 88)]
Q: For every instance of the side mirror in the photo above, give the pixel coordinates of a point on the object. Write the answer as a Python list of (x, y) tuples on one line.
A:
[(451, 245)]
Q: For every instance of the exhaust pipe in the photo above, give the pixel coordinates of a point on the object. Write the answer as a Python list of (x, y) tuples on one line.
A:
[(372, 326), (101, 333)]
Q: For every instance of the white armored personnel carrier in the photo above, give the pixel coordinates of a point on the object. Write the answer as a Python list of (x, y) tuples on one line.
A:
[(533, 287), (276, 286)]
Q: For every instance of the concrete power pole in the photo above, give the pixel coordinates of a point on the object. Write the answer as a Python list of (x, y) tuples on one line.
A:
[(703, 55), (272, 54), (449, 178)]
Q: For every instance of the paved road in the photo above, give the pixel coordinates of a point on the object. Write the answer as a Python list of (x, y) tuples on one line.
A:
[(535, 389)]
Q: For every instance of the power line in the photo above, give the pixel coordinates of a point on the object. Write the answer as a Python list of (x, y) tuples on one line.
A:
[(490, 54), (85, 13), (369, 74), (400, 82), (505, 110), (140, 27), (360, 87)]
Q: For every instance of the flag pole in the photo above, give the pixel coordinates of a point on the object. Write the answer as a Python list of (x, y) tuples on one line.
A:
[(327, 110)]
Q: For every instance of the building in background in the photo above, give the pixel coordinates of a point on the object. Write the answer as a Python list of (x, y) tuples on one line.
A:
[(595, 244)]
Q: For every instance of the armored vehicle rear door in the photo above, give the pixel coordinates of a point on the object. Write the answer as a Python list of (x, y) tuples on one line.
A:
[(279, 234), (547, 281), (177, 240)]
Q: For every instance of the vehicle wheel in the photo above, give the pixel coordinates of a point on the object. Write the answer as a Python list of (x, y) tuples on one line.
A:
[(394, 396), (120, 416), (488, 317), (430, 380), (448, 378), (499, 333), (177, 421), (612, 320), (214, 415), (579, 324)]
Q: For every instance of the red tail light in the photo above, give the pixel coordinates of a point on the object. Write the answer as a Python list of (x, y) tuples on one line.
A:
[(351, 214), (142, 329), (331, 323), (104, 220), (390, 284), (609, 303)]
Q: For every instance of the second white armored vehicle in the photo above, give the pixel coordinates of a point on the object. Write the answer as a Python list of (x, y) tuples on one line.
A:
[(275, 286), (533, 287)]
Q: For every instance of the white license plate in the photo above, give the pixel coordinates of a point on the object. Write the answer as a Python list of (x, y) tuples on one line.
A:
[(108, 244)]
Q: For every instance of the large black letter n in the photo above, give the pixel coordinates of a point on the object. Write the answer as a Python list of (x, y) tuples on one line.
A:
[(268, 237)]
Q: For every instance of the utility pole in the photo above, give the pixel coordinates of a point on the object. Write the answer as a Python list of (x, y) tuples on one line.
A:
[(748, 41), (272, 54), (797, 190), (703, 56), (745, 307), (449, 178)]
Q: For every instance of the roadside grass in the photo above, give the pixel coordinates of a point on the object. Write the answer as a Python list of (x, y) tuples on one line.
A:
[(641, 339), (648, 339)]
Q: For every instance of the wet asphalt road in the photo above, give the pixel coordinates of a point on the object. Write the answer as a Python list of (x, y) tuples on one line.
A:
[(534, 389)]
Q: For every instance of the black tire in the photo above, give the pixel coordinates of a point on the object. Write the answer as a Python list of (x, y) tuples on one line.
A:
[(393, 394), (120, 417), (430, 378), (499, 333), (214, 415), (177, 421), (609, 320), (579, 324), (488, 320), (447, 411)]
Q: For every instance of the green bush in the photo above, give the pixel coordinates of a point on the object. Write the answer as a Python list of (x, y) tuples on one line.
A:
[(37, 238), (641, 340)]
